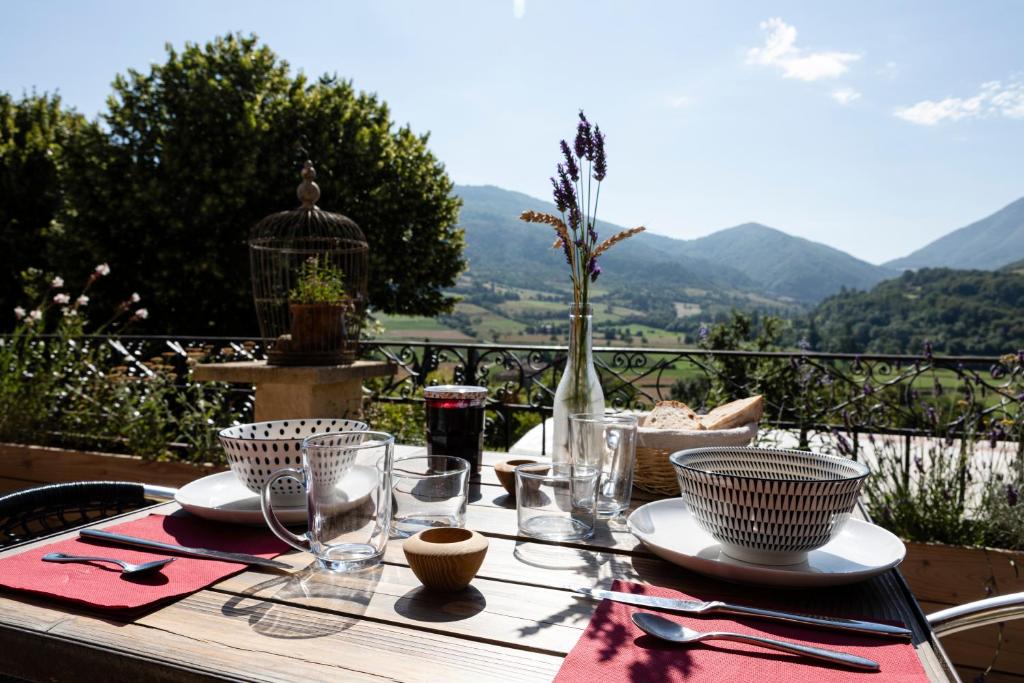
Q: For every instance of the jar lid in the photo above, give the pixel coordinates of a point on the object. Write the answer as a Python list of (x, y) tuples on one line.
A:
[(455, 392)]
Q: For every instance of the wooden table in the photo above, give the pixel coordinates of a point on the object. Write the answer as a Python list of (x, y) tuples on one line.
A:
[(516, 622)]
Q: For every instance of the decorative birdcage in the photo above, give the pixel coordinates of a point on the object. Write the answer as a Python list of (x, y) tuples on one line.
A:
[(309, 276)]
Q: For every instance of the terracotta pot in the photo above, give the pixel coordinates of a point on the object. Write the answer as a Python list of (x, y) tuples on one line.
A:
[(445, 559), (318, 327), (506, 471)]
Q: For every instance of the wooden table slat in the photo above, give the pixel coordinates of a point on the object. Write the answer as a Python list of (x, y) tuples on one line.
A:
[(516, 622)]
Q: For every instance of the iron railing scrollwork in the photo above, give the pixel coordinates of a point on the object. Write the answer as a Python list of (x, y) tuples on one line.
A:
[(810, 392)]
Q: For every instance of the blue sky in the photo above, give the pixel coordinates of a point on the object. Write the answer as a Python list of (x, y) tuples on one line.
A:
[(870, 126)]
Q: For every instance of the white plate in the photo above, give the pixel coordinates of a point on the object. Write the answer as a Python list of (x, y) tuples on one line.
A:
[(222, 498), (860, 551)]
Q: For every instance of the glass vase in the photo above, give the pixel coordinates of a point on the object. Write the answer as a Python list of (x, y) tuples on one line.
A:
[(579, 390)]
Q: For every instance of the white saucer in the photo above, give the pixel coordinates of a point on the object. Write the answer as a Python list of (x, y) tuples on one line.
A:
[(860, 551), (222, 498)]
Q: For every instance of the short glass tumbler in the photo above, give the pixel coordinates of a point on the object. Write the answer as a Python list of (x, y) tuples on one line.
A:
[(429, 491), (349, 509), (608, 443), (556, 502)]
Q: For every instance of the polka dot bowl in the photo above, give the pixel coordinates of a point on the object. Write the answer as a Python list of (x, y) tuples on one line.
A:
[(255, 451)]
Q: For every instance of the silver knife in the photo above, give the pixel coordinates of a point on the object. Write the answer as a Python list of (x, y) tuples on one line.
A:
[(240, 558), (717, 607)]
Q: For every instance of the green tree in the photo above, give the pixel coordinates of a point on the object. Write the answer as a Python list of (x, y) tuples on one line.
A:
[(34, 132), (201, 147)]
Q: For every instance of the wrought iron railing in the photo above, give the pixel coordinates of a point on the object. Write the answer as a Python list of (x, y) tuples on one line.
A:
[(808, 392)]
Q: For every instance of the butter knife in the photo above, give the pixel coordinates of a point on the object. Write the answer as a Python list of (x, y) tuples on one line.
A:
[(240, 558), (718, 607)]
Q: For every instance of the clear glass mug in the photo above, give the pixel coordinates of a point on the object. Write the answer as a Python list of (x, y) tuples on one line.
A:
[(607, 442), (347, 479)]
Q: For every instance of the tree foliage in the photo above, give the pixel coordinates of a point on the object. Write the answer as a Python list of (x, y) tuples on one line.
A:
[(195, 151), (957, 311), (34, 132)]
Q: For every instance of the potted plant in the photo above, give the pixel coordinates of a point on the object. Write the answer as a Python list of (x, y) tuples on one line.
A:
[(319, 304)]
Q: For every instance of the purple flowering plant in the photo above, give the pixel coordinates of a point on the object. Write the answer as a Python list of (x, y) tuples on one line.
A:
[(576, 189)]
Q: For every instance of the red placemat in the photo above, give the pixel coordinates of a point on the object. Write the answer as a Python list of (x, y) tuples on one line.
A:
[(613, 648), (101, 585)]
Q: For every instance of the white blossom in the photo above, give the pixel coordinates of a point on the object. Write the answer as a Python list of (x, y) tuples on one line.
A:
[(35, 315), (19, 312), (61, 299), (82, 300), (69, 312), (103, 269), (57, 282), (135, 298), (142, 314)]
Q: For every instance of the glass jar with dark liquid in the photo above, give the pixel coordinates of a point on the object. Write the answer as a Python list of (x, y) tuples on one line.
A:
[(455, 422)]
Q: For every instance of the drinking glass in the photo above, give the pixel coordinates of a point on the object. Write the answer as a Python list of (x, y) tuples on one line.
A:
[(455, 422), (347, 479), (428, 491), (608, 443), (556, 502)]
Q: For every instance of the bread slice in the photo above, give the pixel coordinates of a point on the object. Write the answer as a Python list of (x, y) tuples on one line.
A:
[(673, 415), (735, 414)]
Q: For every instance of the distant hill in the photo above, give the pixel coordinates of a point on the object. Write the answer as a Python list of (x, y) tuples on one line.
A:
[(986, 245), (786, 265), (958, 311), (750, 262)]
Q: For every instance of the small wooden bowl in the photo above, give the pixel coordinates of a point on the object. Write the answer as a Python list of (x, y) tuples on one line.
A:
[(506, 472), (445, 559)]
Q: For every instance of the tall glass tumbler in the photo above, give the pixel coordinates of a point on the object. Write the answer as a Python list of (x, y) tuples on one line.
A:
[(347, 479), (455, 422), (607, 443)]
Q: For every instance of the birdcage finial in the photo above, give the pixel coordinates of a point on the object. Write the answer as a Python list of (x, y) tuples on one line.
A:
[(309, 191)]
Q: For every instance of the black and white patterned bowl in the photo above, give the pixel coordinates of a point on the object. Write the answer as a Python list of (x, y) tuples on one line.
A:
[(766, 505), (257, 450)]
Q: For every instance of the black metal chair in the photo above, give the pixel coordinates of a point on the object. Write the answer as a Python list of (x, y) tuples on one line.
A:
[(44, 510)]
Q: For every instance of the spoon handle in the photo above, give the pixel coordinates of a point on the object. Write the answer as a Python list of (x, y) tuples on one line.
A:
[(63, 557), (798, 649)]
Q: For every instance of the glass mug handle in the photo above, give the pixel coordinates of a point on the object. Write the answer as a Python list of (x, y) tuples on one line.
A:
[(280, 530)]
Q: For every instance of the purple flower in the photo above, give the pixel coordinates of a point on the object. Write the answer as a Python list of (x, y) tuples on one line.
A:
[(703, 331), (803, 344), (591, 233), (560, 202), (584, 143), (1012, 495), (928, 349), (868, 389), (600, 161), (594, 269), (919, 464), (570, 162)]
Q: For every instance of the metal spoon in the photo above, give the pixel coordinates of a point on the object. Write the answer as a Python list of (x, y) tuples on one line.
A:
[(664, 629), (127, 568)]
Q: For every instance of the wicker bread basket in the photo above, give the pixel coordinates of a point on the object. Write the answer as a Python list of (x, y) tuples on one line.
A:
[(655, 474)]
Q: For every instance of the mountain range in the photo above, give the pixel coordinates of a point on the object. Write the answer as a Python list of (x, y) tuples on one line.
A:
[(987, 244), (750, 263)]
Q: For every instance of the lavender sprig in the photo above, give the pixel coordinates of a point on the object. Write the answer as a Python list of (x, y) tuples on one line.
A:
[(570, 162), (600, 161)]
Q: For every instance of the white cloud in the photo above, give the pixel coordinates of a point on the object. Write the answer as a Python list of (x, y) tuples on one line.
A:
[(993, 99), (891, 71), (518, 8), (845, 95), (780, 50), (679, 101)]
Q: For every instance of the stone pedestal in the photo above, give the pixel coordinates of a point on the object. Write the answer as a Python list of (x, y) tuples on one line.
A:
[(285, 392)]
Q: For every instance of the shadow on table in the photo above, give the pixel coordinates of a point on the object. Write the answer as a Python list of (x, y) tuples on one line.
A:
[(422, 604), (345, 595)]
